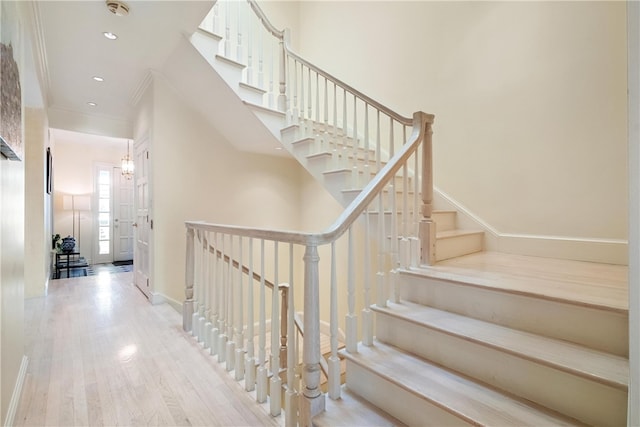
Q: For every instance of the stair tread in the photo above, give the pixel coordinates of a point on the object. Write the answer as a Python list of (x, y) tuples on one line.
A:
[(591, 364), (448, 234), (318, 155), (600, 286), (460, 396), (351, 410)]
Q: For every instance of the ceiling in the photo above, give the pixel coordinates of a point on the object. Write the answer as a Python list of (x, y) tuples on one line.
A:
[(75, 50)]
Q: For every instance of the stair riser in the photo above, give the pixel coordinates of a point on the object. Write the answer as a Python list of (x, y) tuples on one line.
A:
[(208, 45), (598, 329), (586, 400), (445, 221), (250, 94), (403, 404), (458, 246)]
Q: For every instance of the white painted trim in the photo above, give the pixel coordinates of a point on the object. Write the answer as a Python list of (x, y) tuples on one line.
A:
[(158, 298), (141, 88), (633, 135), (17, 392), (610, 251), (40, 51)]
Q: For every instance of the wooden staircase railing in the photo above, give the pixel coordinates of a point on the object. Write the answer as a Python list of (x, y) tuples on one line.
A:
[(387, 155)]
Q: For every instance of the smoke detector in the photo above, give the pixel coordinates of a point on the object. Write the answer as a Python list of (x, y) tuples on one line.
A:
[(117, 7)]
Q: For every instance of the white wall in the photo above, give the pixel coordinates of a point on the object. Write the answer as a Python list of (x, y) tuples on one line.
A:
[(37, 204), (197, 175), (12, 242), (529, 99)]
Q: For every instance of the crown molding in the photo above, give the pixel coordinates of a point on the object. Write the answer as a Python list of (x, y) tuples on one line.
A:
[(140, 89), (39, 49)]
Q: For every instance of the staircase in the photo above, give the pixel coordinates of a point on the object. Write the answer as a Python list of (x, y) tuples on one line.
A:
[(321, 150), (469, 348), (454, 346)]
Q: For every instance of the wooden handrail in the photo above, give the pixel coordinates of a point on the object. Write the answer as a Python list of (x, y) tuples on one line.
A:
[(280, 34)]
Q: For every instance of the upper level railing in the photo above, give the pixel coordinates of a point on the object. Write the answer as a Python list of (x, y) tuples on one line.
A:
[(390, 159)]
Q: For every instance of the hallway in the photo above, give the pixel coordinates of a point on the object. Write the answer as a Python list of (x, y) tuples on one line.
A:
[(100, 354)]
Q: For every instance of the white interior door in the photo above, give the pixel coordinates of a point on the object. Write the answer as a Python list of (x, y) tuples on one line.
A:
[(123, 216), (143, 224)]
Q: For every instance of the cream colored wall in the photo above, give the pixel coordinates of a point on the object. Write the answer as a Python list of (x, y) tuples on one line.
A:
[(37, 211), (529, 99), (74, 175), (199, 176), (12, 250), (283, 14)]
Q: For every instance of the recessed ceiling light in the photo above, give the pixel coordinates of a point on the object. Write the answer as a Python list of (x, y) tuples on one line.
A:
[(110, 35), (98, 78), (278, 148), (91, 104)]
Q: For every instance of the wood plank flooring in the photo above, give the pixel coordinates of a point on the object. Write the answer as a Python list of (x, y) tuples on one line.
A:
[(591, 284), (100, 354)]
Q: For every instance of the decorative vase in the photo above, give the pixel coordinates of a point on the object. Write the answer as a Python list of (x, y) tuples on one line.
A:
[(68, 243)]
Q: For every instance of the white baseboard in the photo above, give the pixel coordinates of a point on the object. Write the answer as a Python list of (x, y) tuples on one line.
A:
[(158, 298), (608, 251), (17, 392)]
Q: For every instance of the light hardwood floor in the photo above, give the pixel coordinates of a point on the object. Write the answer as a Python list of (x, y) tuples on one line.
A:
[(100, 354)]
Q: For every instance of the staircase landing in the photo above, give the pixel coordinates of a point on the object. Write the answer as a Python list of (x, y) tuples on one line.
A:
[(603, 286)]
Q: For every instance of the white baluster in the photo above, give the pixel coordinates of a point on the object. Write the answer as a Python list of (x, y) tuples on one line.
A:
[(356, 175), (239, 338), (239, 53), (336, 153), (216, 18), (250, 361), (405, 249), (334, 360), (351, 321), (250, 31), (231, 344), (262, 375), (326, 106), (227, 31), (309, 103), (276, 383), (366, 143), (203, 290), (367, 315), (415, 241), (345, 145), (382, 254), (282, 98), (291, 397), (195, 320), (206, 328), (296, 112), (215, 292), (222, 324), (318, 97)]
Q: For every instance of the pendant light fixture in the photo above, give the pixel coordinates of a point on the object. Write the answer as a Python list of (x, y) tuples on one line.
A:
[(127, 165)]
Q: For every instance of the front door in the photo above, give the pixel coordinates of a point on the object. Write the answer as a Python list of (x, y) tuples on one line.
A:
[(143, 224)]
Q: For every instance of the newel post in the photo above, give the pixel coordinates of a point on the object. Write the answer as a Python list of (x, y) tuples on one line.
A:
[(282, 97), (427, 226), (187, 307), (312, 401)]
